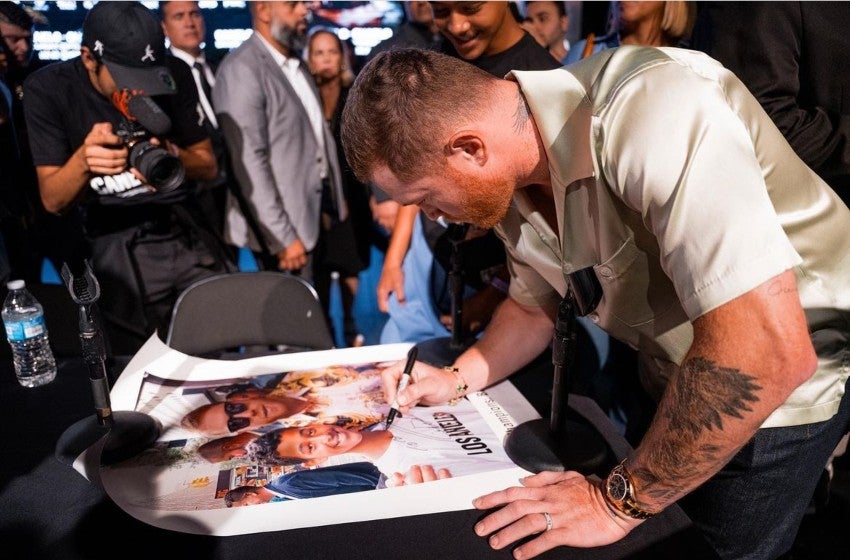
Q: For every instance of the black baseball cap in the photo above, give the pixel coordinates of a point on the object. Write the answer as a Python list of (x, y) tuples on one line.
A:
[(127, 37)]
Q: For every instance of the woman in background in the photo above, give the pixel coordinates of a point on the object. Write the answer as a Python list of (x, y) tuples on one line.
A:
[(347, 245), (650, 24)]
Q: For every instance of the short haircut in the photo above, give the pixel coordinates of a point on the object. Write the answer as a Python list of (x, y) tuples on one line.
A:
[(192, 419), (401, 105), (559, 6), (238, 494), (214, 450), (263, 450)]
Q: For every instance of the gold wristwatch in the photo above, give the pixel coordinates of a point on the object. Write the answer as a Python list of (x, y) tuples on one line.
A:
[(618, 491)]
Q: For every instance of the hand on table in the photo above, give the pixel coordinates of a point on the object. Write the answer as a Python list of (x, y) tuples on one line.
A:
[(580, 517)]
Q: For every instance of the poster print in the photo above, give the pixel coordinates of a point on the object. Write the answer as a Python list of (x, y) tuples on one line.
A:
[(300, 440)]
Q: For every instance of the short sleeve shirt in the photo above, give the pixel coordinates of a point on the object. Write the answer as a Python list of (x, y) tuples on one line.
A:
[(674, 185), (62, 106)]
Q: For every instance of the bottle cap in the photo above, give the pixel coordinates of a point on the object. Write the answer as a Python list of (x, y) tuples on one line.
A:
[(15, 284)]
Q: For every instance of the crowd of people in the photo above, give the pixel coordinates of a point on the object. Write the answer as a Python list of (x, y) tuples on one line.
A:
[(694, 207)]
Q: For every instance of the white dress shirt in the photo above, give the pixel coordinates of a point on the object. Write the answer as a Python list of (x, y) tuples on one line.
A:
[(206, 104), (292, 71)]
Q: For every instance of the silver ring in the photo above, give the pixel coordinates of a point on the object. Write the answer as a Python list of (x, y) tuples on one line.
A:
[(548, 521)]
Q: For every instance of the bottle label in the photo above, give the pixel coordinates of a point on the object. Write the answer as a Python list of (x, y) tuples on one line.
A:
[(22, 330)]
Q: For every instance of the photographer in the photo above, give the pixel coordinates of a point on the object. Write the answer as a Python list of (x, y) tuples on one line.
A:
[(94, 122)]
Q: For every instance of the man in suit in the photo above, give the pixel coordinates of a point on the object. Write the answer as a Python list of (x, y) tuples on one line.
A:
[(283, 153), (183, 25)]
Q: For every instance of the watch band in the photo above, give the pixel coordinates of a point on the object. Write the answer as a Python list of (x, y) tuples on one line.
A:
[(618, 492)]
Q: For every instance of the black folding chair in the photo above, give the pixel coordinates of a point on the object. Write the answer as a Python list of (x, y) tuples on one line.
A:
[(254, 313)]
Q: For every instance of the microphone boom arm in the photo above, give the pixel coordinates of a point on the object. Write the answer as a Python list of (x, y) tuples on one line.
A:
[(85, 291)]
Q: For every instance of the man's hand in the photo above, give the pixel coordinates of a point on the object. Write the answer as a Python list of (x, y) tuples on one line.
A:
[(293, 257), (580, 516), (428, 385), (417, 474), (103, 152)]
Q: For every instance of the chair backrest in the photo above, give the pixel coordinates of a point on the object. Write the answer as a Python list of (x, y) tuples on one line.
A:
[(236, 310)]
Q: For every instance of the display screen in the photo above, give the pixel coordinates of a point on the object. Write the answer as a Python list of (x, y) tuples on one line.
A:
[(362, 24)]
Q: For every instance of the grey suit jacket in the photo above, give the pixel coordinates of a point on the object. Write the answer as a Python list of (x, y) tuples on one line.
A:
[(273, 150)]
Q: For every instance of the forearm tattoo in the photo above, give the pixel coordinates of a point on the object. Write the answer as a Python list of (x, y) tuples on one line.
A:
[(701, 398)]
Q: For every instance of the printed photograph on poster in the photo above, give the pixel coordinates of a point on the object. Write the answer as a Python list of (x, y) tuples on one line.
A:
[(300, 438)]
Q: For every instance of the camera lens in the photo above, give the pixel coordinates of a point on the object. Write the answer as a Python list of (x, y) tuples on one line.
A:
[(163, 171)]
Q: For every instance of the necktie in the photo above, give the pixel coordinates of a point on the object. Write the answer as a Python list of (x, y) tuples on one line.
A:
[(205, 85)]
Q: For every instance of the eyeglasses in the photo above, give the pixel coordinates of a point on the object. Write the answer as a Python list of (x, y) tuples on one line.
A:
[(234, 424)]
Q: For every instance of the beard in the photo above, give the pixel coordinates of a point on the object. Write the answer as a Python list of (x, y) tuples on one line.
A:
[(289, 37), (485, 203)]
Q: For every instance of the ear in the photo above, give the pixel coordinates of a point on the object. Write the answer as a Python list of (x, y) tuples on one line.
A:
[(261, 11), (88, 59), (468, 146)]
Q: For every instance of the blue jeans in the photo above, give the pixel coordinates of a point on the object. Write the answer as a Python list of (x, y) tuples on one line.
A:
[(753, 507)]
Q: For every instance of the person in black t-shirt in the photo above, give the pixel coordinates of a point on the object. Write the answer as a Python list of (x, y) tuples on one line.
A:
[(146, 244)]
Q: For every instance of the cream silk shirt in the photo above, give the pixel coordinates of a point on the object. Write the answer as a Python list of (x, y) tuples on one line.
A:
[(675, 186)]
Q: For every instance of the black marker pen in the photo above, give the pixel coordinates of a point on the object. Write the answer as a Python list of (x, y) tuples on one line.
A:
[(402, 384)]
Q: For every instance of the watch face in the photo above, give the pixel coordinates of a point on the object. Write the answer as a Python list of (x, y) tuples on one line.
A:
[(617, 487)]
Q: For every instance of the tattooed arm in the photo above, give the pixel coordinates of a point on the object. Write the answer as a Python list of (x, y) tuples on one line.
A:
[(748, 355)]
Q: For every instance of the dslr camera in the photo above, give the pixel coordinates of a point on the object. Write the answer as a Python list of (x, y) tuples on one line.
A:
[(163, 171)]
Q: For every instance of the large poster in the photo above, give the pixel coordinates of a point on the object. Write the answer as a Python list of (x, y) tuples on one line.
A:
[(299, 440)]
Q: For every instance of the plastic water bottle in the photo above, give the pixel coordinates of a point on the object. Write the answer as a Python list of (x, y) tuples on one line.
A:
[(23, 318)]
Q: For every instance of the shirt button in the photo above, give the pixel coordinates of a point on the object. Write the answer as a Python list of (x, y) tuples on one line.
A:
[(606, 272)]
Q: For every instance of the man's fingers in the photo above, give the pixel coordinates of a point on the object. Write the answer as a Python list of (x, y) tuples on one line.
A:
[(417, 474), (546, 478), (394, 480), (390, 376), (429, 473)]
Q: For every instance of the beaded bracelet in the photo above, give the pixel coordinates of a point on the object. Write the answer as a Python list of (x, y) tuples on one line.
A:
[(460, 388)]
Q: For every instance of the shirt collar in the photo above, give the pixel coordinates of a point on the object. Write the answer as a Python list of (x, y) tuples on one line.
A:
[(186, 57), (279, 58), (562, 112)]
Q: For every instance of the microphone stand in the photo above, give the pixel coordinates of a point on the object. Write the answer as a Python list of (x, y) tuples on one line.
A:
[(128, 432), (444, 350), (456, 234), (560, 444)]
